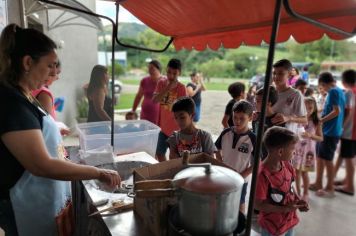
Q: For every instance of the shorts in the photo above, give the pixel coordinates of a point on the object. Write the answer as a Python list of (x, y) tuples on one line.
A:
[(243, 193), (348, 148), (162, 144), (326, 149)]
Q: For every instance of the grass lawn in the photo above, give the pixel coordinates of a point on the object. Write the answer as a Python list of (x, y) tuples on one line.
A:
[(125, 101), (214, 85)]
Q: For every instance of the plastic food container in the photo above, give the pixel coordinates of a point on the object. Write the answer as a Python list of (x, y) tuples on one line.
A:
[(129, 136)]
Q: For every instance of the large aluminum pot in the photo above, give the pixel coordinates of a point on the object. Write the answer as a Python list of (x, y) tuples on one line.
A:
[(209, 199)]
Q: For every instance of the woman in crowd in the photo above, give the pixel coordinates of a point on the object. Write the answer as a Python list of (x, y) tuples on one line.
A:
[(100, 104), (194, 89), (149, 109), (33, 169)]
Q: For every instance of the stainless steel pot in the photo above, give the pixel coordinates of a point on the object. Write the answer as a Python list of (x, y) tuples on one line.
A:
[(208, 197)]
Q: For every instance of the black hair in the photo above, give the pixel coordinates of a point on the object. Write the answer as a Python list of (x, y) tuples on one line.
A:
[(175, 64), (300, 82), (244, 107), (309, 92), (236, 89), (156, 64), (16, 43), (349, 77), (326, 78), (97, 78), (284, 63), (314, 115), (184, 104), (278, 137), (273, 94), (131, 113)]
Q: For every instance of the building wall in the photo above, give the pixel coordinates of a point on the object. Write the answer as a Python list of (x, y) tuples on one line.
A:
[(78, 55)]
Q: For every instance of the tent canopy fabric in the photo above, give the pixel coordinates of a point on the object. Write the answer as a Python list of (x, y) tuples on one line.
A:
[(198, 24)]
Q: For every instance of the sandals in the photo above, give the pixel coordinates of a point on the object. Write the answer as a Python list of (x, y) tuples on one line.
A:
[(339, 182), (325, 194), (342, 190), (313, 187)]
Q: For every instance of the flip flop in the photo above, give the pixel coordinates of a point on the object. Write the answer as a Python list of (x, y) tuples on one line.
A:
[(313, 187), (338, 182), (325, 194), (341, 190)]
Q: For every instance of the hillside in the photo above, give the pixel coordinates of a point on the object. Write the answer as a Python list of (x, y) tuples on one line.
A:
[(127, 30)]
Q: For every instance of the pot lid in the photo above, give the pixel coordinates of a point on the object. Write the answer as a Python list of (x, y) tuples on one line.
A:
[(210, 179)]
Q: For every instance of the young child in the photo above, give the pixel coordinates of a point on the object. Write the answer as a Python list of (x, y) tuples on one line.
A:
[(272, 99), (348, 138), (290, 105), (332, 120), (237, 92), (305, 157), (236, 144), (131, 115), (188, 138), (302, 86), (275, 199), (168, 90)]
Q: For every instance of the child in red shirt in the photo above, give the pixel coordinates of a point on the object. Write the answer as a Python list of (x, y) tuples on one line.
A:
[(275, 197)]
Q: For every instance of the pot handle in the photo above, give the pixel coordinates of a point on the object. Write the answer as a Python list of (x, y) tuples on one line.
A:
[(185, 160), (155, 193), (153, 184)]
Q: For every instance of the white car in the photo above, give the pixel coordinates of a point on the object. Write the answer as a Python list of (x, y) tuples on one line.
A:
[(313, 82)]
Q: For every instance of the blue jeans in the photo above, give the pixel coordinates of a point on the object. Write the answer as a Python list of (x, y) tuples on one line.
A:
[(264, 232), (7, 218), (196, 117)]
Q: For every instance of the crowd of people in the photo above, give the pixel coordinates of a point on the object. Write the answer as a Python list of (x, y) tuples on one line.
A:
[(302, 132)]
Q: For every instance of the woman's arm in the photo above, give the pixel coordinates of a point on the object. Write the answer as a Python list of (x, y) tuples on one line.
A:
[(46, 101), (33, 156), (192, 92), (98, 98), (138, 98)]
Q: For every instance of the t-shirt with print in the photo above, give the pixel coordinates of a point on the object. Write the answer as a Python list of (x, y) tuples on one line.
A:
[(17, 114), (228, 112), (276, 189), (333, 127), (200, 141), (290, 103), (166, 118), (237, 149), (350, 120)]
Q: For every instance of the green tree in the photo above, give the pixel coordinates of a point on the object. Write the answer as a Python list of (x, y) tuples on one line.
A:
[(217, 68)]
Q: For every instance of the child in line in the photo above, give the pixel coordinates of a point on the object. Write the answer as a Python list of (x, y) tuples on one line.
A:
[(332, 120), (237, 92), (275, 198), (302, 86), (305, 157), (236, 144), (290, 105), (131, 115), (188, 138), (272, 99), (348, 138), (168, 90)]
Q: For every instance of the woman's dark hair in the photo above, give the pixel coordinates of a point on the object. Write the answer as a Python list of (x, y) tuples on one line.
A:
[(156, 64), (97, 78), (15, 43), (314, 115)]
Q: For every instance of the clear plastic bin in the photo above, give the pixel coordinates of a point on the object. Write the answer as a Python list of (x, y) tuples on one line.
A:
[(129, 136)]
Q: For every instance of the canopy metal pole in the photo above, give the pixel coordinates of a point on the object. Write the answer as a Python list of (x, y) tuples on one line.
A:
[(330, 28), (260, 131)]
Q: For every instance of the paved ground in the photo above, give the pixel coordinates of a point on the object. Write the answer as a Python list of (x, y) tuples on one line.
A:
[(327, 217)]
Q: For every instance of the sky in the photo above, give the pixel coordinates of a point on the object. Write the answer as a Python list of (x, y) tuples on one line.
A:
[(109, 8)]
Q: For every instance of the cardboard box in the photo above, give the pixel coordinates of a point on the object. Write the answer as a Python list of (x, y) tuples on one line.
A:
[(154, 211)]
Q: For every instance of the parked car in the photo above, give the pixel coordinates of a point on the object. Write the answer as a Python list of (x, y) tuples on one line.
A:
[(313, 82), (257, 80)]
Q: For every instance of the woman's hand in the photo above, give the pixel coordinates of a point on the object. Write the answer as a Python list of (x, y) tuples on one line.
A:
[(109, 177)]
